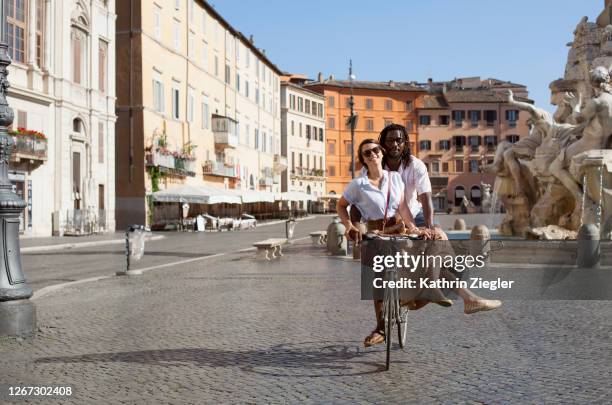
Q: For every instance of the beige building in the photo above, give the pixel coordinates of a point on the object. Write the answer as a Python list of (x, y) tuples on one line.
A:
[(63, 95), (198, 103), (460, 124), (303, 138)]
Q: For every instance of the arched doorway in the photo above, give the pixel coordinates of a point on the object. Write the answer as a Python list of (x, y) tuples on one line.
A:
[(459, 194), (476, 195)]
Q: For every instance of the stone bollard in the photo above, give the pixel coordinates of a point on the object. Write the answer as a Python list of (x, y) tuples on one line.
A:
[(459, 225), (588, 254), (336, 241), (479, 241)]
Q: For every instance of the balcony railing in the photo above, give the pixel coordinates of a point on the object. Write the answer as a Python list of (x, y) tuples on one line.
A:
[(214, 168), (280, 163), (29, 147), (225, 131), (302, 172), (168, 163)]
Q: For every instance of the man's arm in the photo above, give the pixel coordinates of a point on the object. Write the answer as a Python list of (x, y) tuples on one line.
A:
[(428, 210)]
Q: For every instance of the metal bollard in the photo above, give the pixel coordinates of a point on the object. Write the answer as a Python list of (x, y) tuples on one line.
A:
[(588, 254), (289, 229), (129, 252)]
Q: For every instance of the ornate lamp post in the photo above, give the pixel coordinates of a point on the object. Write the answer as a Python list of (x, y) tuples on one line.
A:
[(17, 312)]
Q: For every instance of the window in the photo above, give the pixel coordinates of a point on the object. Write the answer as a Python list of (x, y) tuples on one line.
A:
[(331, 101), (320, 110), (490, 117), (369, 124), (332, 170), (321, 134), (389, 105), (177, 4), (425, 145), (158, 96), (22, 119), (331, 122), (409, 105), (490, 142), (331, 148), (100, 142), (473, 166), (237, 82), (177, 36), (435, 167), (204, 17), (459, 166), (256, 138), (77, 126), (300, 104), (157, 22), (308, 132), (409, 126), (40, 29), (227, 74), (16, 27), (102, 54), (424, 120), (459, 141), (474, 117), (175, 103), (263, 142), (348, 148), (191, 13), (458, 117), (216, 66), (512, 138), (474, 142), (307, 106), (191, 45), (444, 120), (512, 117), (205, 116), (369, 104), (246, 88), (445, 145), (257, 96), (205, 57), (300, 129), (190, 104), (444, 167), (79, 43)]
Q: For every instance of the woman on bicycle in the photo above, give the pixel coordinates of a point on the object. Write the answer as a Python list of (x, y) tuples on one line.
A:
[(379, 195)]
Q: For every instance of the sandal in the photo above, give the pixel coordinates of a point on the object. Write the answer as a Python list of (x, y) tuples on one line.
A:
[(375, 337)]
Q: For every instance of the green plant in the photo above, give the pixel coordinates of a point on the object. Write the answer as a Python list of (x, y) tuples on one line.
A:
[(155, 175)]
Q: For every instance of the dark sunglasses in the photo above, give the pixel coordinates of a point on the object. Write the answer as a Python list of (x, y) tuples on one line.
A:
[(369, 152), (399, 140)]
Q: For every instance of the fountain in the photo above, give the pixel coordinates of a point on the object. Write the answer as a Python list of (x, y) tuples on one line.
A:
[(559, 178)]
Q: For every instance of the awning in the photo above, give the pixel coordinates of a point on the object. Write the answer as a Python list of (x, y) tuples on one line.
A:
[(253, 196), (295, 196), (197, 195), (330, 197)]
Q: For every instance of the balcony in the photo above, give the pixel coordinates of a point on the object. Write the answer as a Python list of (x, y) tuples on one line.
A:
[(173, 164), (266, 181), (225, 131), (303, 173), (220, 169), (30, 146), (458, 149), (280, 163)]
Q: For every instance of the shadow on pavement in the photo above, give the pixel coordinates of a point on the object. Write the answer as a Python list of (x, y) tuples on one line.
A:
[(310, 359), (119, 253)]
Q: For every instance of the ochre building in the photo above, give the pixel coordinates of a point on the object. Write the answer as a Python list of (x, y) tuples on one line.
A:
[(376, 105)]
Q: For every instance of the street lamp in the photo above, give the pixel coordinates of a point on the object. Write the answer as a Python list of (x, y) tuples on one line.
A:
[(352, 119), (17, 312)]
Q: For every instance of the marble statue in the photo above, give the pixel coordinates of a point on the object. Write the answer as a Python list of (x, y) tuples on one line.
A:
[(487, 198)]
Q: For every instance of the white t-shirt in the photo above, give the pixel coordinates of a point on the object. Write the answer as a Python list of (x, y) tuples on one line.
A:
[(416, 181), (371, 201)]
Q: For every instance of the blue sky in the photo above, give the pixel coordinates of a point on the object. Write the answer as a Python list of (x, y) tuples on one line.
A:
[(519, 40)]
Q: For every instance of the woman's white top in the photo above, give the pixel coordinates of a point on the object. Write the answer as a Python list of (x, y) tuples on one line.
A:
[(371, 201)]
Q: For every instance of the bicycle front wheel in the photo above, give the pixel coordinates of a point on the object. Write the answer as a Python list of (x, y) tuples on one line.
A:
[(389, 327), (402, 326)]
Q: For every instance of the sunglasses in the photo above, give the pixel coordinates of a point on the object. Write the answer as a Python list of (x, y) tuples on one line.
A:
[(398, 140), (375, 150)]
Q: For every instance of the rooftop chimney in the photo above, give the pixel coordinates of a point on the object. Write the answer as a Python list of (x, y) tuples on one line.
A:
[(320, 77), (251, 39), (391, 83), (331, 77), (430, 81)]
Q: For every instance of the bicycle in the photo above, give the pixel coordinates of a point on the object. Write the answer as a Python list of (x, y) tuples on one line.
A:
[(393, 313)]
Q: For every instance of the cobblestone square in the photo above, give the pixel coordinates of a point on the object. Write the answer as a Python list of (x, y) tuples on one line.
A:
[(290, 331)]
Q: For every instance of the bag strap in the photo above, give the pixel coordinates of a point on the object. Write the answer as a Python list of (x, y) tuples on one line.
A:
[(388, 197)]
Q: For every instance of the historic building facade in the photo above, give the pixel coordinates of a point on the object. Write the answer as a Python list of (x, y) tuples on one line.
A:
[(303, 138), (63, 94), (460, 124), (198, 103), (376, 105)]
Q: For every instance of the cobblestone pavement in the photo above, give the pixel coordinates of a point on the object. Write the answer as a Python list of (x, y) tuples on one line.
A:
[(290, 331)]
